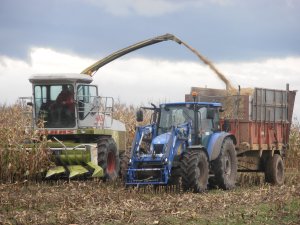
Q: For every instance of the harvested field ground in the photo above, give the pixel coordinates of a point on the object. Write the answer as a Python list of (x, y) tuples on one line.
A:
[(94, 202)]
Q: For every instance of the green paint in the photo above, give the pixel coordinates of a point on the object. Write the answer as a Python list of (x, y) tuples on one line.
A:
[(71, 157), (55, 170), (76, 170), (98, 171)]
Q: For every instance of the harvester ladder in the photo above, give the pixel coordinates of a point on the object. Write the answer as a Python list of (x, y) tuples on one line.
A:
[(107, 110)]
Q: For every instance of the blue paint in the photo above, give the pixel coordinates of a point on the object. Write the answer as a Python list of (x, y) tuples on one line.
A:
[(161, 139), (152, 155), (211, 143)]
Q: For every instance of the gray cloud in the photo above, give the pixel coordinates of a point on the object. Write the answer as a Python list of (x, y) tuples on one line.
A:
[(151, 8), (221, 29)]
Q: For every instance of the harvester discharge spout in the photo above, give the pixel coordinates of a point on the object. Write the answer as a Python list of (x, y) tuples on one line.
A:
[(97, 65), (166, 37)]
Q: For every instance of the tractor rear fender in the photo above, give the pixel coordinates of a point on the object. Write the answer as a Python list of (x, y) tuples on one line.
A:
[(215, 144)]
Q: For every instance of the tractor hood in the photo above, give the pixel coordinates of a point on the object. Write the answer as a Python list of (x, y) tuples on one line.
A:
[(161, 139)]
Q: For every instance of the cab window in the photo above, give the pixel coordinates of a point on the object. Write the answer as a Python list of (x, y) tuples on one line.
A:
[(54, 105), (86, 95)]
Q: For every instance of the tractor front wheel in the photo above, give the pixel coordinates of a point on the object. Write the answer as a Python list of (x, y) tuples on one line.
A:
[(274, 172), (108, 158), (195, 169)]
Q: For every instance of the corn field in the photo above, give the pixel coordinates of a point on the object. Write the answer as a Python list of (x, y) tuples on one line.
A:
[(23, 200), (126, 114), (17, 163)]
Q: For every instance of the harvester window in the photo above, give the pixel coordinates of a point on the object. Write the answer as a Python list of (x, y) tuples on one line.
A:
[(55, 91), (40, 96), (86, 96), (54, 104)]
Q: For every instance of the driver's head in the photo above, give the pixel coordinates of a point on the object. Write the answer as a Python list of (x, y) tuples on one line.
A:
[(65, 87)]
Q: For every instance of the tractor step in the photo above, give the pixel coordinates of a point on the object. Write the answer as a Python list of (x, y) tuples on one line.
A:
[(143, 182)]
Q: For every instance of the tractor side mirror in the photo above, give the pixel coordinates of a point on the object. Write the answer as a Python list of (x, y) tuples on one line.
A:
[(210, 114), (139, 115)]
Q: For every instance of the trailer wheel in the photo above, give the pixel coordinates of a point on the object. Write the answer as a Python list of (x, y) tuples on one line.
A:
[(225, 166), (124, 159), (194, 167), (274, 172), (108, 158)]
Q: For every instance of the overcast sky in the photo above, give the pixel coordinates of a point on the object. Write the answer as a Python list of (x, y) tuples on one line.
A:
[(255, 43)]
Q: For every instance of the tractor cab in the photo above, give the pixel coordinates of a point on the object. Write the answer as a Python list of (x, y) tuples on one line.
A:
[(203, 116), (67, 101)]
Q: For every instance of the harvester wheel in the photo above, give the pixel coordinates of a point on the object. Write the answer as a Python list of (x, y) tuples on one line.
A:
[(108, 158), (194, 167), (124, 159), (225, 166), (274, 172)]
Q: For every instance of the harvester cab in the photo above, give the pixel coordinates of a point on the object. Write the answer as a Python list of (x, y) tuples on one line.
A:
[(181, 142), (69, 101), (82, 134)]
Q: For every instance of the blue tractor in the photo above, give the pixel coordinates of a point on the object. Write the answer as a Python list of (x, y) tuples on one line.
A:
[(183, 145)]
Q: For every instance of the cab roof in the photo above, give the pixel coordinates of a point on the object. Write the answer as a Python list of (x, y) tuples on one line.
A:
[(211, 104), (60, 77)]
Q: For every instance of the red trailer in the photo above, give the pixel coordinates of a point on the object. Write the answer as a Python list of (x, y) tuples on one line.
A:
[(260, 121)]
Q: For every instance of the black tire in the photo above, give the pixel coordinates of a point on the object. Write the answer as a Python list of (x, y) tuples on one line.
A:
[(124, 159), (225, 166), (175, 176), (274, 172), (108, 158), (195, 169)]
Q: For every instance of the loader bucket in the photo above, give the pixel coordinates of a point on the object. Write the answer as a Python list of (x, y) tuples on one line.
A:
[(75, 162)]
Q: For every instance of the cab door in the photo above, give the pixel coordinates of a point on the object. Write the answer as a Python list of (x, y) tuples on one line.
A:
[(88, 106)]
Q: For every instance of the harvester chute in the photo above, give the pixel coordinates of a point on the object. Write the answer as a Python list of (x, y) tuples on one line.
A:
[(167, 37)]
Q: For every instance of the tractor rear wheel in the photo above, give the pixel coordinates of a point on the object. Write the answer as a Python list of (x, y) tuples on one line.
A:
[(108, 158), (195, 168), (225, 166), (274, 172)]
